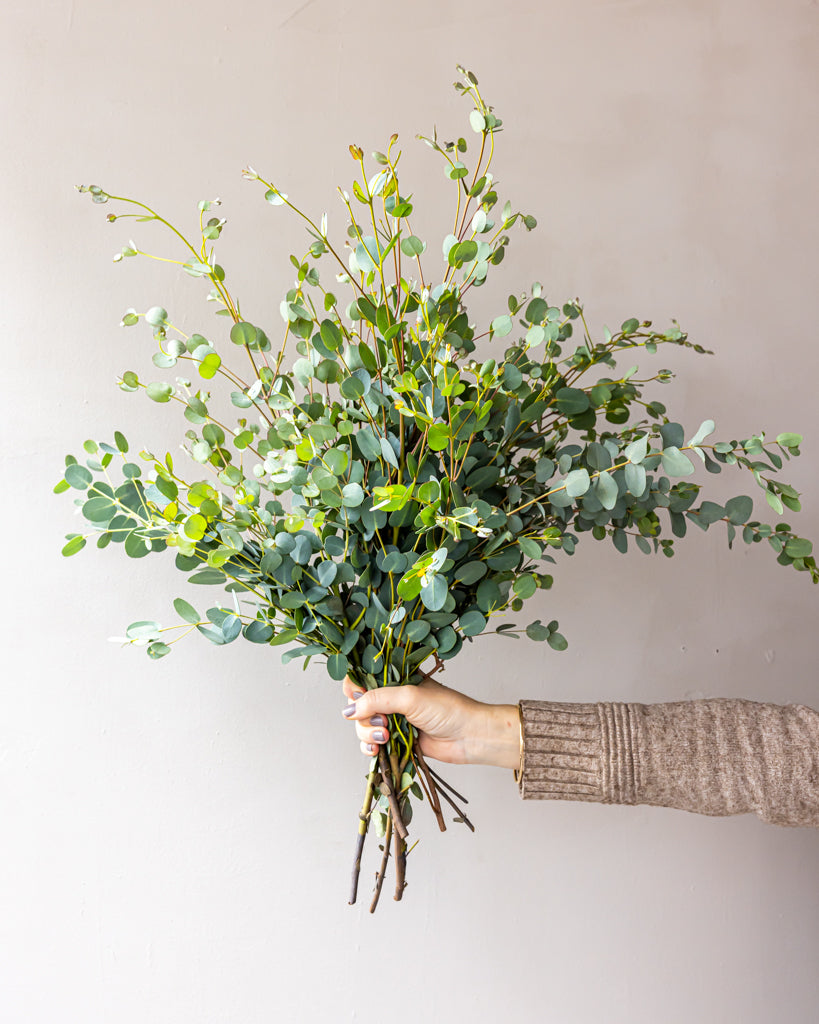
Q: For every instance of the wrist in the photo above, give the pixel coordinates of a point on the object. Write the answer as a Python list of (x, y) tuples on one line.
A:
[(498, 741)]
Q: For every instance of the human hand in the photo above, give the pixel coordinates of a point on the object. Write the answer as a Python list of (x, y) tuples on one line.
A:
[(451, 726)]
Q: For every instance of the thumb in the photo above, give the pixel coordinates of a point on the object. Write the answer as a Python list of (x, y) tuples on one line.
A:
[(386, 700)]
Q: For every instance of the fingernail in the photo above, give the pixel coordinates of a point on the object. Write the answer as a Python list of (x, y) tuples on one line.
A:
[(359, 694), (379, 736), (349, 710), (378, 720), (370, 748)]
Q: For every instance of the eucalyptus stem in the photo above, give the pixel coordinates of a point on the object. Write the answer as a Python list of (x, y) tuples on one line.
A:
[(363, 824), (382, 871), (387, 782), (400, 858)]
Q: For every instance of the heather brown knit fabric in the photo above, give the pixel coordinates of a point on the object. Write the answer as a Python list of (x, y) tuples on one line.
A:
[(706, 756)]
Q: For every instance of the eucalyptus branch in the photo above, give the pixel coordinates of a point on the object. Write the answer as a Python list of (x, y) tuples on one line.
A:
[(386, 489)]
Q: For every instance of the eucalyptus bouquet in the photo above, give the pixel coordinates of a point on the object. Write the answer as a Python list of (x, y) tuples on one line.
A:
[(379, 499)]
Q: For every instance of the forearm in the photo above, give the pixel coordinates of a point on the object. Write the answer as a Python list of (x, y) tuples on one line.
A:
[(709, 756), (495, 737)]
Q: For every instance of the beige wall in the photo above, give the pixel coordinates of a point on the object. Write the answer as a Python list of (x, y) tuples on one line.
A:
[(177, 836)]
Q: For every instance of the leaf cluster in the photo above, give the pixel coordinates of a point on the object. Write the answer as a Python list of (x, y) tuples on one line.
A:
[(374, 493)]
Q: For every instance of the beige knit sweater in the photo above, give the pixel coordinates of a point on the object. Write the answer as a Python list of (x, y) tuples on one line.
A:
[(706, 756)]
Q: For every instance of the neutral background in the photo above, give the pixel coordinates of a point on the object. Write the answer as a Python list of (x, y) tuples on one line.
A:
[(177, 836)]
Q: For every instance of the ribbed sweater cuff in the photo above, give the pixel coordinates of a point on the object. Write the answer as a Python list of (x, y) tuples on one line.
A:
[(577, 752)]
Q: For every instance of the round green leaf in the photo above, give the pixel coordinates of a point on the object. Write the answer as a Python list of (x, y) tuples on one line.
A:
[(327, 572), (417, 630), (158, 650), (201, 451), (438, 437), (605, 489), (489, 596), (572, 401), (352, 495), (156, 316), (798, 547), (394, 562), (577, 482), (512, 377), (258, 632), (352, 388), (503, 560), (209, 365), (537, 631), (337, 666), (635, 479), (472, 623), (535, 336), (676, 463), (412, 246), (471, 572), (336, 460), (231, 627), (159, 391), (243, 333), (502, 325), (78, 476), (136, 546), (462, 253), (525, 587), (740, 509), (636, 451), (433, 595), (446, 639), (194, 527), (99, 510), (536, 311)]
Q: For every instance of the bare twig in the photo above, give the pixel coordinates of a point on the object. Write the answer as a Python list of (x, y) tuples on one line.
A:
[(398, 820), (400, 858), (363, 823), (379, 878), (431, 790), (446, 785), (455, 807)]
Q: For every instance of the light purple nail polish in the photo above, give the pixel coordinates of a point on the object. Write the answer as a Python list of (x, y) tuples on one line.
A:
[(370, 748), (378, 720), (379, 736), (349, 710)]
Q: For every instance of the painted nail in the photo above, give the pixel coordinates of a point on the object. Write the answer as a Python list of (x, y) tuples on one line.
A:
[(379, 736), (370, 748), (359, 694), (378, 720), (349, 710)]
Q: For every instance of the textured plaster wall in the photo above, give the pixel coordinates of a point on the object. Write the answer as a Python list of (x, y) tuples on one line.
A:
[(176, 837)]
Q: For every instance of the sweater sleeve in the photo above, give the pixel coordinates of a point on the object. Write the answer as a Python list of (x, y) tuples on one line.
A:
[(705, 756)]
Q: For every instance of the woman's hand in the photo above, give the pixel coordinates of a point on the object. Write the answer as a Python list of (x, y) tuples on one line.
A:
[(451, 726)]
